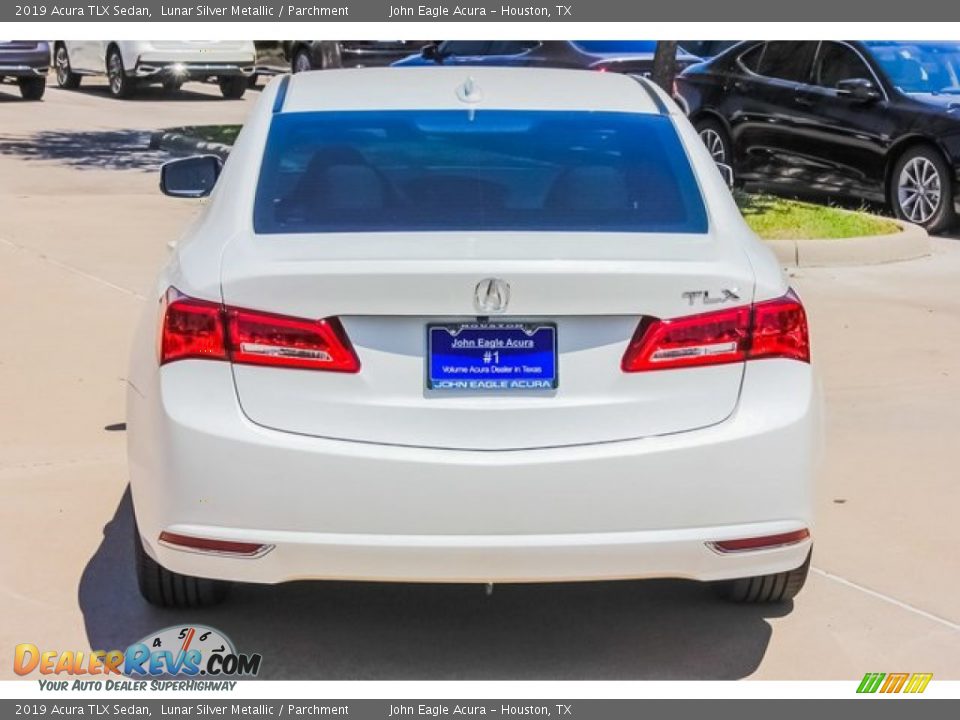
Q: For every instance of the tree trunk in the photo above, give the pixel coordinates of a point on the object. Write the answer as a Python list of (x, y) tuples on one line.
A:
[(665, 64)]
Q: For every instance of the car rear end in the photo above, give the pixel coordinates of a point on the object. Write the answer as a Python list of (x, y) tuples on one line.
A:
[(543, 347), (24, 61), (192, 59)]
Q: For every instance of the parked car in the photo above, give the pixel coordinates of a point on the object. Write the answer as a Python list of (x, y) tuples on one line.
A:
[(623, 56), (449, 326), (878, 121), (26, 63), (282, 56), (129, 64)]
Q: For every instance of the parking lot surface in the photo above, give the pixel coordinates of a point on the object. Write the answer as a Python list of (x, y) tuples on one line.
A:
[(83, 230)]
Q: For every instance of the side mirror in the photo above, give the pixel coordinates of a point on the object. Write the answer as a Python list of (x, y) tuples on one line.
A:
[(431, 52), (727, 173), (859, 89), (192, 177)]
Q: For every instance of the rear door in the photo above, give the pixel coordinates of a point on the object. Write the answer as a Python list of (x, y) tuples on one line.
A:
[(769, 132), (845, 140)]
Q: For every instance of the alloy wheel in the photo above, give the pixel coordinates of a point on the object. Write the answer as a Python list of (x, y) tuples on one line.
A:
[(115, 71), (302, 63), (63, 66), (711, 138), (919, 190)]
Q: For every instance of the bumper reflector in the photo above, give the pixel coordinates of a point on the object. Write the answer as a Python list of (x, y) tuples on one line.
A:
[(220, 547), (765, 542)]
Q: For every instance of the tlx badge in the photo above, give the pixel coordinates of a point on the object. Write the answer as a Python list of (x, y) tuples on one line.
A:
[(704, 296)]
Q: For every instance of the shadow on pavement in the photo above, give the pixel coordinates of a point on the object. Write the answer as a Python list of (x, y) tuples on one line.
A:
[(105, 149), (152, 93), (337, 630)]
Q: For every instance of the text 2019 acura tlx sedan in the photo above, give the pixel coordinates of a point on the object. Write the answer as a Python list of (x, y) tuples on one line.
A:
[(469, 325)]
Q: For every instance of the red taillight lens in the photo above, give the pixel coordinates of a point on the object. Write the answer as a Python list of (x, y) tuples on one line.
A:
[(264, 339), (191, 329), (203, 329), (227, 547), (780, 329), (774, 328), (760, 543)]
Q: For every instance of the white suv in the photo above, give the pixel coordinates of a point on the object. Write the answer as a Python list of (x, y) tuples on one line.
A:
[(130, 63), (469, 325)]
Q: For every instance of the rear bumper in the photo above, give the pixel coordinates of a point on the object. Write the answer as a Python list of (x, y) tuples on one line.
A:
[(163, 69), (346, 510), (27, 71), (488, 558)]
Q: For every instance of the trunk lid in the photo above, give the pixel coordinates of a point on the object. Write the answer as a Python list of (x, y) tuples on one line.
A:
[(387, 287)]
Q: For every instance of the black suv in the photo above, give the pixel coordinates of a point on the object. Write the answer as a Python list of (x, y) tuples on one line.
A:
[(26, 62), (878, 121)]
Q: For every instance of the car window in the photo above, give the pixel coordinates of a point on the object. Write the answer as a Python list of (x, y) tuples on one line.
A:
[(836, 62), (787, 60), (406, 170), (751, 58), (919, 67), (617, 47), (512, 47), (466, 47), (706, 48)]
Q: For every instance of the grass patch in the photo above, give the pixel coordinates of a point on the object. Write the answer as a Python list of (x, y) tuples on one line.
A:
[(224, 134), (774, 218)]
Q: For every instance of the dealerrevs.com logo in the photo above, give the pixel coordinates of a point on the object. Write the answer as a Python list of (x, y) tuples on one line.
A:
[(180, 651)]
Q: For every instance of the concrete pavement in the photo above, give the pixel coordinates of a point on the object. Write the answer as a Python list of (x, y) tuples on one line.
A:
[(83, 230)]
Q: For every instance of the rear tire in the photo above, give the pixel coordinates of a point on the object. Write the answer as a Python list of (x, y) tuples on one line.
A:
[(921, 189), (66, 78), (301, 61), (121, 86), (32, 88), (172, 86), (233, 88), (714, 136), (167, 589), (776, 588)]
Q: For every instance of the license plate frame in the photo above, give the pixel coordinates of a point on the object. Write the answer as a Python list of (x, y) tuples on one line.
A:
[(508, 372)]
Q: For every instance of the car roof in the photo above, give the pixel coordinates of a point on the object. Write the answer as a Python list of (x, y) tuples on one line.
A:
[(440, 88)]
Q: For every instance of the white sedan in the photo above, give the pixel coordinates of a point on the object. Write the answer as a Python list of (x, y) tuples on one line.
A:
[(478, 325), (129, 64)]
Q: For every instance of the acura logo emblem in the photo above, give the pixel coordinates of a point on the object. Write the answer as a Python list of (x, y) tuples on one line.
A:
[(491, 296)]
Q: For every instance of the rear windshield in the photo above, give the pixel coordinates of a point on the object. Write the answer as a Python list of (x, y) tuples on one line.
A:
[(408, 170)]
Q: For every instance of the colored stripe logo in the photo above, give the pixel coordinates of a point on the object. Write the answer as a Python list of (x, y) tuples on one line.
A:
[(894, 682)]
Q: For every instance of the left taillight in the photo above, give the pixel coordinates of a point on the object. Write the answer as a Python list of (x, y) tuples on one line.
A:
[(770, 329), (202, 329), (191, 328)]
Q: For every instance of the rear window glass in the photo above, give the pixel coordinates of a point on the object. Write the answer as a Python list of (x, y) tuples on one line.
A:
[(397, 171)]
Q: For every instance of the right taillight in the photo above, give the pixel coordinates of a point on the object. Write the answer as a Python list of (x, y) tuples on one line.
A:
[(780, 329), (201, 329), (770, 329)]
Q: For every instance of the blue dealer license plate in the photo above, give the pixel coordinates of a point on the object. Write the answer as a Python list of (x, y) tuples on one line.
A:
[(492, 356)]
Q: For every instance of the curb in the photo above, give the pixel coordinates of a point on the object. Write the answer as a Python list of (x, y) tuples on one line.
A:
[(186, 144), (911, 242)]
